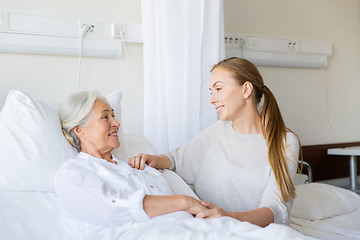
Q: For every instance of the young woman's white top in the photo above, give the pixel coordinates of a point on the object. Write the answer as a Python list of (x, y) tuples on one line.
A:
[(231, 170)]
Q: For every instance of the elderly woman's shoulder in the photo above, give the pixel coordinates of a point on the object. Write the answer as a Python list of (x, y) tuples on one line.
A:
[(75, 172), (74, 168), (73, 164)]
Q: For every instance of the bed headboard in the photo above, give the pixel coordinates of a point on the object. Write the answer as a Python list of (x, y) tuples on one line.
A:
[(326, 166)]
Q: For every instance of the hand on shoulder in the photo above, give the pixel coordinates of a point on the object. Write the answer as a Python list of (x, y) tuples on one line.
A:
[(141, 160), (155, 161)]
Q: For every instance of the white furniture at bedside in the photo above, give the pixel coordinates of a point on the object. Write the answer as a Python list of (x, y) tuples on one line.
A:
[(353, 152)]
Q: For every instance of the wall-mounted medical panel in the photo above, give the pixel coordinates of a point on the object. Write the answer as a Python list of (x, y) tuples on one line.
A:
[(266, 44), (312, 47), (50, 45), (36, 34), (279, 52), (43, 25), (285, 60)]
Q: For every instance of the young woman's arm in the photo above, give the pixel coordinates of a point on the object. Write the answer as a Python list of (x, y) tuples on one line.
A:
[(155, 161), (261, 216), (159, 205)]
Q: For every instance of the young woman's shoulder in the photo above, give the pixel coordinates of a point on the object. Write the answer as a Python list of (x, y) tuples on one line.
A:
[(215, 129)]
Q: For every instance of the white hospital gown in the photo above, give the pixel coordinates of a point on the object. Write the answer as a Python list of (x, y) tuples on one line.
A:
[(94, 193)]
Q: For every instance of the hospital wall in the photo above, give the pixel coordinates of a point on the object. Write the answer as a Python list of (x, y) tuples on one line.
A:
[(301, 93)]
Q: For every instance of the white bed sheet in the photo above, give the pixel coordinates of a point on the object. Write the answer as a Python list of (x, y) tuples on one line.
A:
[(36, 215), (224, 228), (341, 227), (30, 215)]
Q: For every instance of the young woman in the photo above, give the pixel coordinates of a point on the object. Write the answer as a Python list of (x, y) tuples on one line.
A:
[(243, 165), (96, 189)]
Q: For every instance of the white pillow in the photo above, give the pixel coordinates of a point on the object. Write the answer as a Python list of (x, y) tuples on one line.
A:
[(316, 201), (177, 184), (136, 144), (32, 146)]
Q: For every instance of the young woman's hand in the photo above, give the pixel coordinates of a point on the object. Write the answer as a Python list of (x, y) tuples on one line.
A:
[(140, 160), (155, 161), (212, 211)]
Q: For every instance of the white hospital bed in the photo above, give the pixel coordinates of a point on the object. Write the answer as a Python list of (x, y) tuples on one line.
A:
[(31, 150)]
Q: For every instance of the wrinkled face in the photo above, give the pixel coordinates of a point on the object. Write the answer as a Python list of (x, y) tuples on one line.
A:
[(100, 133), (226, 94)]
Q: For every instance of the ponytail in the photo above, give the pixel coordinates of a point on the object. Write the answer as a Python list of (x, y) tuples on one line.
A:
[(273, 126), (274, 131)]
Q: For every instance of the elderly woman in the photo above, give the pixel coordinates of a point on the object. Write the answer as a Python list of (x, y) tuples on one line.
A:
[(97, 189)]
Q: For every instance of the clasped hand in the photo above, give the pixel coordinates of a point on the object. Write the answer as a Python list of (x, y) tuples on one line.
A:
[(211, 211)]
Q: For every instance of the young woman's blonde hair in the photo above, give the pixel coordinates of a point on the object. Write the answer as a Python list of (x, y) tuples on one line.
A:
[(273, 126), (74, 111)]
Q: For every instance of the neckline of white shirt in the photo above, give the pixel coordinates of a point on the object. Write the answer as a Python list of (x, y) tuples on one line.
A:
[(84, 155), (253, 138), (120, 162)]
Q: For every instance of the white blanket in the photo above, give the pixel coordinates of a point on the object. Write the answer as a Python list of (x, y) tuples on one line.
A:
[(207, 229), (36, 215)]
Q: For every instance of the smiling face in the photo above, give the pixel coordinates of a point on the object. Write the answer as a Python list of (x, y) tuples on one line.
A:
[(226, 94), (99, 136)]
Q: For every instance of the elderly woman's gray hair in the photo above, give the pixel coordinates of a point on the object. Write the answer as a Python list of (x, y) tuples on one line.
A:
[(74, 111)]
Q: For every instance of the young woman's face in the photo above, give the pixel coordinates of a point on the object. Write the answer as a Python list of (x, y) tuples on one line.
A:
[(226, 94), (100, 133)]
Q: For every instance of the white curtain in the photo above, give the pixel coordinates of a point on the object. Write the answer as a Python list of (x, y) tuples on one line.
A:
[(182, 40)]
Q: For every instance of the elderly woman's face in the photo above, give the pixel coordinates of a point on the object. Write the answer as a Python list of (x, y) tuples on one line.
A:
[(100, 133)]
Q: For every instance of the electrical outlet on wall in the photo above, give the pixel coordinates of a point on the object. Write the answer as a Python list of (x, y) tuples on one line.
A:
[(234, 40), (90, 27), (294, 46), (119, 31)]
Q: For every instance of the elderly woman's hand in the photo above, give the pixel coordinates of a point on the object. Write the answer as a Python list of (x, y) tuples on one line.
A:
[(194, 206)]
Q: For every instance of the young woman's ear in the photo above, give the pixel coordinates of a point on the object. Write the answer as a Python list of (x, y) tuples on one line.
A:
[(248, 89)]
